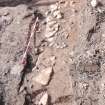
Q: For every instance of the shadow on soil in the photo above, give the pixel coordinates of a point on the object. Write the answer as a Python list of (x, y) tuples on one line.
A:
[(33, 3)]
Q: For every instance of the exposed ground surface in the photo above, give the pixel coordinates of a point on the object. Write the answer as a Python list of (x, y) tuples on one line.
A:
[(76, 53)]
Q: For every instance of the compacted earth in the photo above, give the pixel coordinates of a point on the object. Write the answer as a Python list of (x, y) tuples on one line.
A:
[(52, 52)]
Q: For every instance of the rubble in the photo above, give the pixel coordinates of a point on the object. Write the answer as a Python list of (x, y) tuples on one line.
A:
[(52, 26)]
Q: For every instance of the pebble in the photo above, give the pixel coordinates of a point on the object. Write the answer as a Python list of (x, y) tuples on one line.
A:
[(51, 23), (94, 3), (44, 76), (57, 14), (50, 34), (49, 19), (44, 99), (54, 7), (50, 39), (56, 27), (63, 45)]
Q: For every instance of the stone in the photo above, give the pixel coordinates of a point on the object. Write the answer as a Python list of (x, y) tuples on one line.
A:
[(4, 12), (51, 23), (54, 7), (50, 34), (50, 39), (49, 18), (44, 76), (94, 3), (44, 99), (57, 14), (56, 27)]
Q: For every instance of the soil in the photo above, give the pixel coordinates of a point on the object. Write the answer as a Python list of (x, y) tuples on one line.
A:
[(78, 50)]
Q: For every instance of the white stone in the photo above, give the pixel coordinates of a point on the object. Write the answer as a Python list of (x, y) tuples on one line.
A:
[(44, 99), (94, 3), (51, 23), (54, 7), (49, 18), (49, 29), (50, 39), (56, 13), (44, 76), (50, 34), (56, 27), (59, 16)]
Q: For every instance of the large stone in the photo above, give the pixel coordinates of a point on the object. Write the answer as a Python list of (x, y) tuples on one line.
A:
[(44, 99), (44, 76)]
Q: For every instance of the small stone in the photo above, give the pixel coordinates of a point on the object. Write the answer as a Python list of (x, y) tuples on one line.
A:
[(49, 29), (50, 34), (50, 39), (17, 69), (103, 35), (44, 76), (49, 19), (4, 12), (56, 13), (54, 7), (44, 99), (51, 23), (52, 60), (99, 10), (47, 13), (56, 27), (94, 3)]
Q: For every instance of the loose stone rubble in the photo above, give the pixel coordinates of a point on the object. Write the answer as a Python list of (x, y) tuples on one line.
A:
[(52, 26)]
